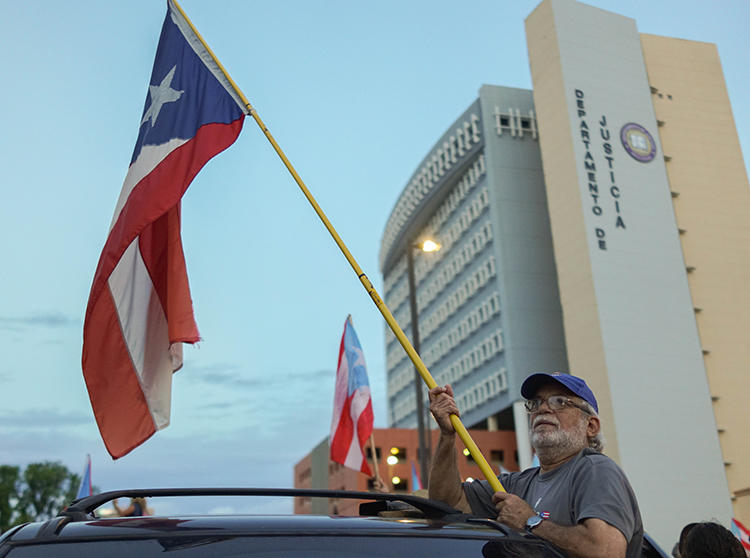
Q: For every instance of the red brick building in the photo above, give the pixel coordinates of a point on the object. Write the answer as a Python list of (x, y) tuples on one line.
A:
[(315, 470)]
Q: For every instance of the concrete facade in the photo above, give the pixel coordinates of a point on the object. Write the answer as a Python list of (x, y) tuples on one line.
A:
[(487, 301)]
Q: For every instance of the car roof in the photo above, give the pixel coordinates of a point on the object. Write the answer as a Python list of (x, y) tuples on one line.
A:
[(381, 515), (298, 525)]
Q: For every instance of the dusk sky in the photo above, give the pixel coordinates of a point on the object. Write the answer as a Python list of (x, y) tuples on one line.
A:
[(356, 94)]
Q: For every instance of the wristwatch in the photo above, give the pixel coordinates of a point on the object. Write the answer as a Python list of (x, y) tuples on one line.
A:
[(532, 522)]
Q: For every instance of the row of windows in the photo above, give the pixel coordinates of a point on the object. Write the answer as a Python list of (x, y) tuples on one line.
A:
[(484, 390), (472, 359), (452, 234), (396, 303), (455, 266), (395, 352), (400, 376), (450, 204), (513, 121), (404, 408), (461, 331), (397, 273), (458, 297), (403, 319), (459, 260), (401, 373), (390, 337), (468, 181), (444, 156), (398, 296), (469, 398), (397, 372)]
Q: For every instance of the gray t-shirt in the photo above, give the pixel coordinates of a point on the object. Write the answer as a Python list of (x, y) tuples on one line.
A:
[(589, 485)]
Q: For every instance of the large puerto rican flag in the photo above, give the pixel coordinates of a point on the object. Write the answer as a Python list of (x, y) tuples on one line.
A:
[(139, 309), (352, 406)]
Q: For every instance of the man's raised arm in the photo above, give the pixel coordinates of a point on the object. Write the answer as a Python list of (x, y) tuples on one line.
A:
[(445, 481)]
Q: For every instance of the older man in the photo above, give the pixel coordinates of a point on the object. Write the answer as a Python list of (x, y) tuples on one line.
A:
[(578, 499)]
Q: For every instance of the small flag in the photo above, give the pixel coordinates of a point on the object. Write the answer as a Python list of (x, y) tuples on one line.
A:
[(85, 487), (139, 310), (742, 533), (352, 406), (416, 481)]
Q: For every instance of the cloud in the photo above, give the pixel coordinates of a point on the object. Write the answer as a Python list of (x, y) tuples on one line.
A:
[(220, 405), (224, 374), (314, 375), (234, 376), (43, 418), (47, 320), (274, 404)]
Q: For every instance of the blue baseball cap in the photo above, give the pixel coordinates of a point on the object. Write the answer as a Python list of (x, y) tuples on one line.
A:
[(573, 383)]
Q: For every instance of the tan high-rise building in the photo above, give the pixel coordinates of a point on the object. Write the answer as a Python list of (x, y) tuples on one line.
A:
[(711, 203), (648, 198)]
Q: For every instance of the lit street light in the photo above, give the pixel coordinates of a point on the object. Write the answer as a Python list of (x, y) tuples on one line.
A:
[(427, 245)]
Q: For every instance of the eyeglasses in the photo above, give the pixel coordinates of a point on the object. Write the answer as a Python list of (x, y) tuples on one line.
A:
[(554, 402)]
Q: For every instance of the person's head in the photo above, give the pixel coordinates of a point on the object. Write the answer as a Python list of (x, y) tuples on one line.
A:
[(711, 540), (563, 414), (683, 537)]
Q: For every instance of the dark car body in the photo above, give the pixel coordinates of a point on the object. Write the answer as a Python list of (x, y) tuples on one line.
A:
[(391, 526)]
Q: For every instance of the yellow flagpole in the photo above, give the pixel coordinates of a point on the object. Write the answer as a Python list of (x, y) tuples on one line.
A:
[(463, 434)]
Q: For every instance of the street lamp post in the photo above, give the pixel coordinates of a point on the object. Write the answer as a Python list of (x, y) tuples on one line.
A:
[(426, 246)]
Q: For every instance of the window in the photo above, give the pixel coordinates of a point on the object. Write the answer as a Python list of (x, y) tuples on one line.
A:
[(369, 453), (469, 457), (398, 453), (497, 457), (399, 484)]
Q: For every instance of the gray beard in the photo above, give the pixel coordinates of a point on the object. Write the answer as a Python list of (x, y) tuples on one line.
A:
[(556, 444)]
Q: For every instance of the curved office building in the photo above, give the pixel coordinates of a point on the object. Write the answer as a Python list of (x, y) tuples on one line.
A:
[(487, 303)]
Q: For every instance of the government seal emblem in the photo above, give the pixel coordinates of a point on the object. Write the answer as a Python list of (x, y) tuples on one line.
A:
[(637, 141)]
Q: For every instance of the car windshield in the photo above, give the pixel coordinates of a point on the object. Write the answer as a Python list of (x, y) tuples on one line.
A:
[(289, 546)]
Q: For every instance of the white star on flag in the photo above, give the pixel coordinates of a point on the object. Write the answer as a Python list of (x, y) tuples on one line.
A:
[(161, 94), (360, 357)]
